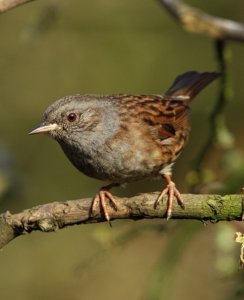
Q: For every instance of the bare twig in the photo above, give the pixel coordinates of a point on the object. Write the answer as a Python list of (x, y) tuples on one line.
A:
[(194, 20), (6, 5), (56, 215), (218, 132)]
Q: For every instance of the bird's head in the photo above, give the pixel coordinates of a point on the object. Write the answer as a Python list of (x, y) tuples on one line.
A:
[(78, 119), (70, 116)]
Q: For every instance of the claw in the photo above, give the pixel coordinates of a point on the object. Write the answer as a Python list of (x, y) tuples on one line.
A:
[(102, 198), (172, 192)]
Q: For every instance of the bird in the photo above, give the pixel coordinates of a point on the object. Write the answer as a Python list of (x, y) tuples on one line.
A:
[(121, 138)]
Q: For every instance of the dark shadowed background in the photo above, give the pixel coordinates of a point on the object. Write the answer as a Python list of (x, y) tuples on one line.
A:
[(49, 49)]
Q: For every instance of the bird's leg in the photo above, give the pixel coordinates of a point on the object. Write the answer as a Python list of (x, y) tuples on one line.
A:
[(172, 191), (102, 197)]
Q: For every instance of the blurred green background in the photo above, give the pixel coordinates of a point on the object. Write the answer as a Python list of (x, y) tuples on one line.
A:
[(49, 49)]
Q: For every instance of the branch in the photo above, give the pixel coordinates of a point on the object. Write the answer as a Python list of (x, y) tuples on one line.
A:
[(57, 215), (6, 5), (194, 20)]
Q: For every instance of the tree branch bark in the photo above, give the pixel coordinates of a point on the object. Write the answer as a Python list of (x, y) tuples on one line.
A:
[(195, 20), (57, 215)]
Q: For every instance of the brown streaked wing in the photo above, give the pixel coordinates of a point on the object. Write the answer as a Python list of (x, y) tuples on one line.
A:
[(165, 114)]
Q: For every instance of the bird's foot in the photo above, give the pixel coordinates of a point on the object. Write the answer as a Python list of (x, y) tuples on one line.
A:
[(172, 192), (102, 198)]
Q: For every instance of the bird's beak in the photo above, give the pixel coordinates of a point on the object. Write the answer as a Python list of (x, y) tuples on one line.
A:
[(45, 128)]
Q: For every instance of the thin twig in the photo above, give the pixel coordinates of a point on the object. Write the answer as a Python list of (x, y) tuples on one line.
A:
[(217, 119), (6, 5)]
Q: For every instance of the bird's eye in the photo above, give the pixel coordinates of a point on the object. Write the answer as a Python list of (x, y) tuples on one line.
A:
[(72, 117)]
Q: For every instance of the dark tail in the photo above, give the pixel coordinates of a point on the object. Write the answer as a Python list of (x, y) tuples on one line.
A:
[(189, 84)]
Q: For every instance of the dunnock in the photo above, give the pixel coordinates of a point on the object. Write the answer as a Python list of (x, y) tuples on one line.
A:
[(121, 138)]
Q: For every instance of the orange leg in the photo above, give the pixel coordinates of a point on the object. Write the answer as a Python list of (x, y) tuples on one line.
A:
[(102, 197), (172, 191)]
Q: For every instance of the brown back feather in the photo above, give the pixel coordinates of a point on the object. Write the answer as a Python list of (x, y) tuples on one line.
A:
[(167, 114)]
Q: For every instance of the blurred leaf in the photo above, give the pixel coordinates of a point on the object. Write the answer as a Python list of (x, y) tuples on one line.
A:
[(239, 238), (226, 263)]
